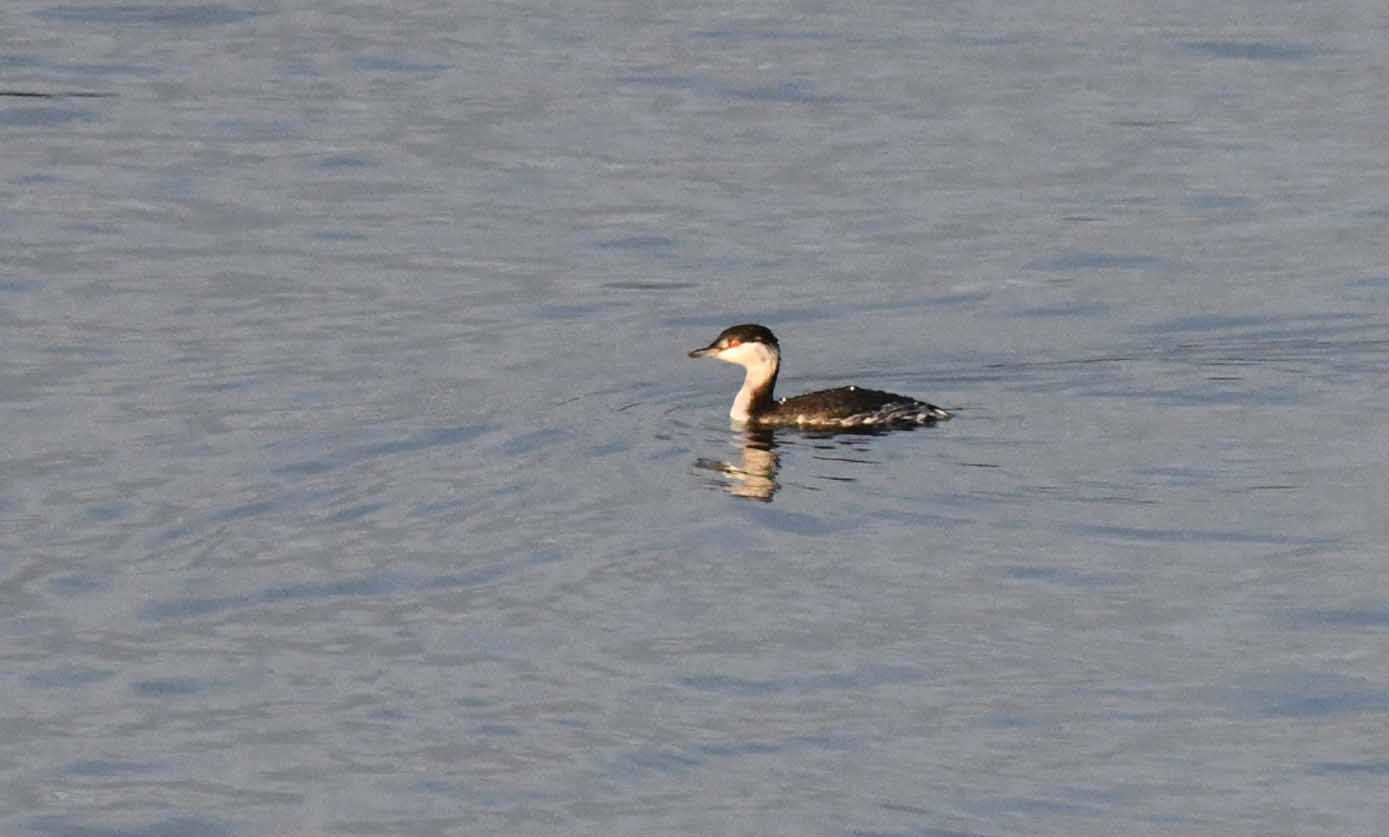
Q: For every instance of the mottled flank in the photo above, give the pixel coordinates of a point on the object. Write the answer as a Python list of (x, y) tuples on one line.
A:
[(850, 407)]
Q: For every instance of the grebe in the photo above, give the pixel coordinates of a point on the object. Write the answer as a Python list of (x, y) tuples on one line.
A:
[(755, 348)]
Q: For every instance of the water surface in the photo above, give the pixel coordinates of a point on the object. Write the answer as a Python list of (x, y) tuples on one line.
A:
[(356, 482)]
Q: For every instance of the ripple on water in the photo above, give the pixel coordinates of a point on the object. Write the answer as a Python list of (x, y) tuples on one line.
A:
[(424, 440), (41, 117), (163, 687), (391, 64), (860, 678), (193, 607), (1375, 616), (1186, 535), (69, 678), (173, 827), (1087, 260), (19, 286), (362, 587), (1359, 768), (1309, 694), (1062, 577), (150, 14), (649, 243), (1250, 50), (1331, 702), (796, 523), (106, 768)]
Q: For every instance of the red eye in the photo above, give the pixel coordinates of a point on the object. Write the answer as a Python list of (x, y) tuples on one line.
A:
[(735, 342)]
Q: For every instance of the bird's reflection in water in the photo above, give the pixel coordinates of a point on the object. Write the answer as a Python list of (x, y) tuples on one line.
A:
[(754, 476)]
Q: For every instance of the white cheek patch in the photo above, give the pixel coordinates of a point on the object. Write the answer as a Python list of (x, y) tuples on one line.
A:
[(751, 355)]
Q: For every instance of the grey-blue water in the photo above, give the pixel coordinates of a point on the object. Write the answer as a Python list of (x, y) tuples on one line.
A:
[(353, 478)]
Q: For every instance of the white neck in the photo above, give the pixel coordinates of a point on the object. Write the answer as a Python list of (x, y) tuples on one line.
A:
[(762, 362)]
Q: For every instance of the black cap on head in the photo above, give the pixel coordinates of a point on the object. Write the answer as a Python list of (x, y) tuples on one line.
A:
[(749, 333), (745, 333)]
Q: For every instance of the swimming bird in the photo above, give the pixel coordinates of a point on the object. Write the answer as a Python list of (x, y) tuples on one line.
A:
[(755, 348)]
